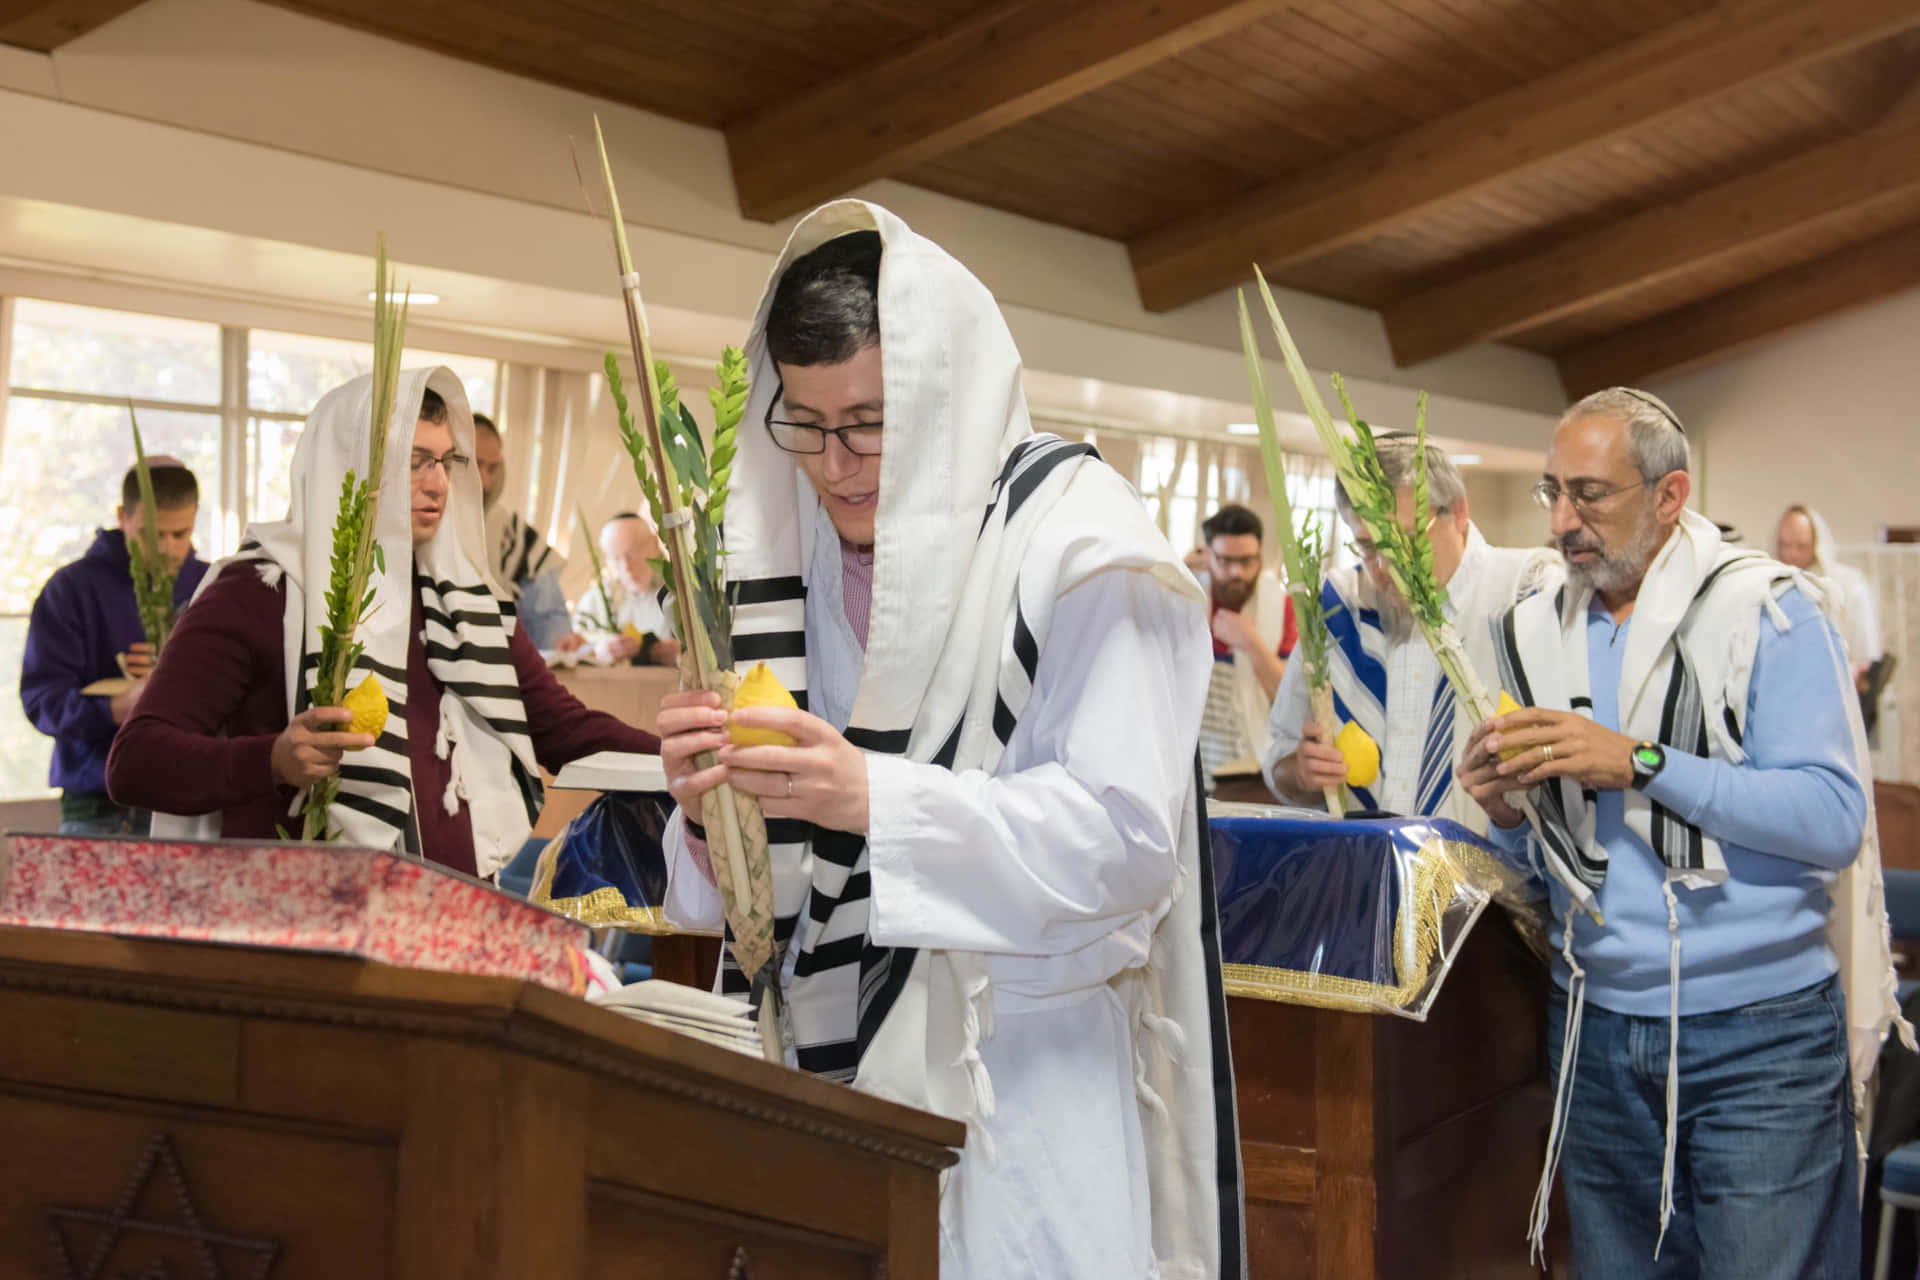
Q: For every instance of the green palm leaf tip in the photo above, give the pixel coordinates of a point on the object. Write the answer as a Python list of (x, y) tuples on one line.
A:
[(153, 578), (599, 566), (356, 551)]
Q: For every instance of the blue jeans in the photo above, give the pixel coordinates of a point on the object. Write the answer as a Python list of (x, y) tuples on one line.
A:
[(1765, 1184), (122, 823)]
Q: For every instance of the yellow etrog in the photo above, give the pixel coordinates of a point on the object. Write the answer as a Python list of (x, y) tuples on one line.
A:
[(1508, 704), (761, 688), (1362, 754), (368, 702)]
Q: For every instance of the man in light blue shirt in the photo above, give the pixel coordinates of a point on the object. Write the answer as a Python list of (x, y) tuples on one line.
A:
[(1709, 1116)]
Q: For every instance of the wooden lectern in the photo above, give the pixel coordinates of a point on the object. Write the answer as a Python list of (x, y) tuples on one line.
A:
[(186, 1110)]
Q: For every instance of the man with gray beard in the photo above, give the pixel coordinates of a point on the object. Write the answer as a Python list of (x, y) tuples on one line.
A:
[(1690, 742)]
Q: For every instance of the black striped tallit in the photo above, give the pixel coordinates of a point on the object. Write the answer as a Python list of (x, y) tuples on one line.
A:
[(838, 966)]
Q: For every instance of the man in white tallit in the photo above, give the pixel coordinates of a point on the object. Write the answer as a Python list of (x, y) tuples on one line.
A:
[(989, 853), (1695, 754), (1251, 619), (1384, 676), (226, 737)]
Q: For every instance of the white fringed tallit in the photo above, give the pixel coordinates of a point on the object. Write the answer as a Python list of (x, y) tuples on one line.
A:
[(1684, 682), (957, 624), (483, 729)]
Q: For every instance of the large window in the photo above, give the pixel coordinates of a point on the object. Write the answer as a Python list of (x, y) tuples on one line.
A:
[(65, 444)]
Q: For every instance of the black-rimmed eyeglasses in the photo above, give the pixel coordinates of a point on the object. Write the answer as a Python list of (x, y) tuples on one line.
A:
[(862, 439)]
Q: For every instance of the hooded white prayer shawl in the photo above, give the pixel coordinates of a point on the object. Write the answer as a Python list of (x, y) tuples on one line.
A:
[(483, 725), (1080, 1030)]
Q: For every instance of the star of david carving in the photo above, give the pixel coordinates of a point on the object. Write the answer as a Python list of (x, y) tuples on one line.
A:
[(160, 1158)]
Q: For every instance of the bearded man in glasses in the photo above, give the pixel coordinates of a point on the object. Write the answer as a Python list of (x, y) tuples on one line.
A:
[(1694, 754), (1384, 676), (225, 740)]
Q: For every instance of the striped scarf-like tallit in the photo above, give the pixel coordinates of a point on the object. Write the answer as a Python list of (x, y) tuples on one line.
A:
[(843, 986), (482, 728), (1541, 646), (519, 552)]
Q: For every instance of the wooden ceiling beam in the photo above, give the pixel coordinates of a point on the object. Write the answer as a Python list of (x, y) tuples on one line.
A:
[(1002, 66), (1726, 323), (45, 25), (1650, 247), (1392, 183)]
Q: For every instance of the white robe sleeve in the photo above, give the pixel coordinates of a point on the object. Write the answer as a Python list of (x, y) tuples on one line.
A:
[(1074, 838), (691, 901), (1290, 710)]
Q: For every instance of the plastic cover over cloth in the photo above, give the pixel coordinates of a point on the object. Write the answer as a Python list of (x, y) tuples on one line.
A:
[(1358, 915), (607, 869)]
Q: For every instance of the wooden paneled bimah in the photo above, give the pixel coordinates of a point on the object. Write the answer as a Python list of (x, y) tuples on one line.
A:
[(183, 1109)]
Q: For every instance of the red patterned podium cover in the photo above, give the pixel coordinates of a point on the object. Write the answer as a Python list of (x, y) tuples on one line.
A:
[(379, 906)]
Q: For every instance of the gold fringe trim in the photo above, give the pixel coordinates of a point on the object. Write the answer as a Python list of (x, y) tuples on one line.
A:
[(1441, 868), (608, 907)]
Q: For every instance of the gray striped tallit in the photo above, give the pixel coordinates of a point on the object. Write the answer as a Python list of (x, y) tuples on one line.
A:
[(519, 552)]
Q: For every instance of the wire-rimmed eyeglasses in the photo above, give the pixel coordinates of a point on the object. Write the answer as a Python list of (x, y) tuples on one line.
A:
[(1584, 495)]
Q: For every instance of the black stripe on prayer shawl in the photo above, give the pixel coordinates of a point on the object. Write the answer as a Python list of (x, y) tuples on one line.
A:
[(830, 955), (766, 590), (1733, 726), (1580, 702), (788, 831), (502, 725), (1556, 831), (838, 1060), (373, 774), (1228, 1178), (498, 655), (840, 848), (1025, 647), (890, 742), (1683, 727), (471, 689), (1003, 719), (820, 907), (883, 976), (458, 617), (398, 819), (393, 675), (1018, 479), (452, 589), (770, 644), (949, 749)]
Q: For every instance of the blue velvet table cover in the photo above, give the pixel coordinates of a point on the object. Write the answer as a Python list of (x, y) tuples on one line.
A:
[(1362, 915)]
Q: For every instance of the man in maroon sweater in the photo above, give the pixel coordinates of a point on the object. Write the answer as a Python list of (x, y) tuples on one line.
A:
[(473, 705)]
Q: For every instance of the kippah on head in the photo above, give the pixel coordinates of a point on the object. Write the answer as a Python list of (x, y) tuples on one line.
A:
[(826, 307)]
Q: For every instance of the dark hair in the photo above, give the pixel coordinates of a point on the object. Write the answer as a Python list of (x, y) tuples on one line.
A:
[(1230, 521), (433, 409), (826, 307), (173, 488), (482, 422)]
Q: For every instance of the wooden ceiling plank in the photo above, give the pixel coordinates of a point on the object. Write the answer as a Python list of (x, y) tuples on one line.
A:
[(45, 25), (1633, 253), (1741, 317), (1368, 190), (1007, 64)]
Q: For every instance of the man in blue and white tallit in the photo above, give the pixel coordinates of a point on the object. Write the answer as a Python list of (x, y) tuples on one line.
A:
[(988, 848), (1384, 676), (1695, 754)]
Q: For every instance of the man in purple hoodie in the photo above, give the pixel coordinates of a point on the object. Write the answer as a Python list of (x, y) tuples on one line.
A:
[(84, 626)]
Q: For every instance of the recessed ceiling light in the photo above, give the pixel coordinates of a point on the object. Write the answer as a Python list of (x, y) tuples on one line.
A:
[(415, 299), (1243, 428), (1466, 459)]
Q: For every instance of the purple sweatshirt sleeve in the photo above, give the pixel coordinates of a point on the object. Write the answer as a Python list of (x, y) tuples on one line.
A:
[(57, 664)]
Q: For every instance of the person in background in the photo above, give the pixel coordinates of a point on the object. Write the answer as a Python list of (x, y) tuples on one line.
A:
[(1253, 632), (85, 626), (223, 740), (631, 626), (1384, 676), (525, 565), (1687, 739), (1805, 541)]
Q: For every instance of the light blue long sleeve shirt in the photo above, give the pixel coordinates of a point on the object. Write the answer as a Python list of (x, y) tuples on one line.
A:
[(1787, 820)]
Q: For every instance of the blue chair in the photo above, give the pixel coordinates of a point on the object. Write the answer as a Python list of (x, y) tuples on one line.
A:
[(517, 876), (1899, 1189)]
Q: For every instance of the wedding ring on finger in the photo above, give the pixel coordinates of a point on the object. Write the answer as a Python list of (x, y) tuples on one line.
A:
[(1546, 754), (789, 786)]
